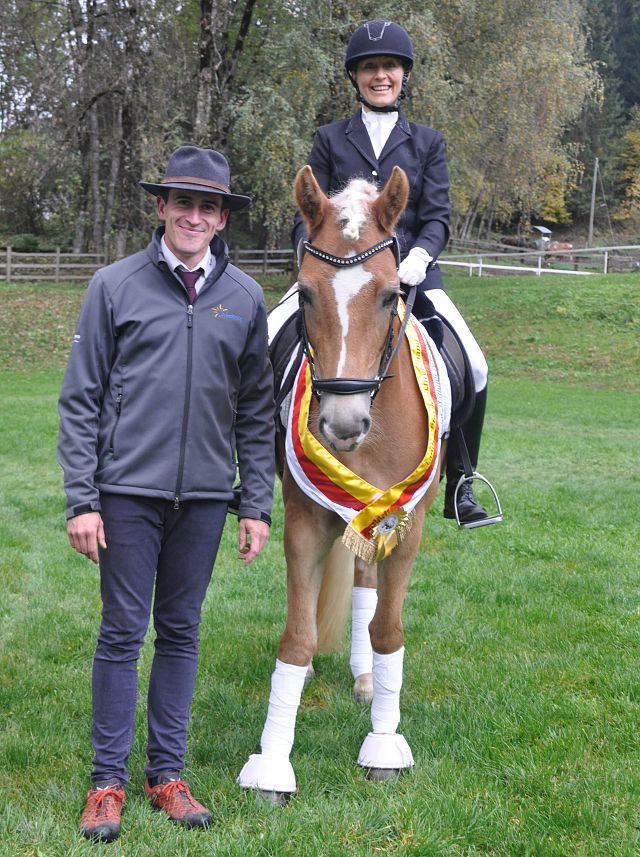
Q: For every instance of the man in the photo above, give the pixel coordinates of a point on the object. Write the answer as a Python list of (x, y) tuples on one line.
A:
[(168, 380)]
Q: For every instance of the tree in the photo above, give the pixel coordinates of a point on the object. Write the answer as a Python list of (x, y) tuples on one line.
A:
[(629, 210), (597, 130), (518, 75), (115, 85), (224, 25)]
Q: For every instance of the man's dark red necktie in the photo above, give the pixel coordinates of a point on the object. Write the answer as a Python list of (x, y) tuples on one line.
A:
[(190, 278)]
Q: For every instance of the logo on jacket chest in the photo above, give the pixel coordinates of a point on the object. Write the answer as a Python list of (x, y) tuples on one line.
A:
[(221, 311)]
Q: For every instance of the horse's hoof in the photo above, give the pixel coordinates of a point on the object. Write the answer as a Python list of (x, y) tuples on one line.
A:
[(363, 688), (268, 775), (384, 775), (384, 751), (311, 674), (274, 798)]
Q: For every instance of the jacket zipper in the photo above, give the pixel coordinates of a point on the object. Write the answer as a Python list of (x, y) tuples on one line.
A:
[(185, 415), (118, 411)]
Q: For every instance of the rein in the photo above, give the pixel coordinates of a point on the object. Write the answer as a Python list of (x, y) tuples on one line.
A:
[(351, 386)]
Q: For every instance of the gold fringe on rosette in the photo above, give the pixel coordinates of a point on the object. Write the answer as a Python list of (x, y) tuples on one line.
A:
[(357, 544), (389, 532)]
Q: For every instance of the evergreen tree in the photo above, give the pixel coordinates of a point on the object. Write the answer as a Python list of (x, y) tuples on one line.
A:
[(597, 132)]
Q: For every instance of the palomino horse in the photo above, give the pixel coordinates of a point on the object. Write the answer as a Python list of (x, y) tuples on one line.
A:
[(368, 410)]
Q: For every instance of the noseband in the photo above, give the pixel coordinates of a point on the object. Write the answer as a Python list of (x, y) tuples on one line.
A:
[(350, 386)]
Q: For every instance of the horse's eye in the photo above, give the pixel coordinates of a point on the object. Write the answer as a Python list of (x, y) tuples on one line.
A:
[(389, 297), (305, 294)]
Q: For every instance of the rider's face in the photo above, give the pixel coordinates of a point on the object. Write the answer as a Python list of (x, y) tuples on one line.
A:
[(379, 80)]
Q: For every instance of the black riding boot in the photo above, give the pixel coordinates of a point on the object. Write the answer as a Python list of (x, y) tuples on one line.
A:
[(468, 507)]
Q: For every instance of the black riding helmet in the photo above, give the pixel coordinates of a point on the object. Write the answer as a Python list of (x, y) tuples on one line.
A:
[(379, 38)]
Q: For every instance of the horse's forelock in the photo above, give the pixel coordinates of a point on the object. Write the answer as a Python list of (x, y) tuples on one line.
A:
[(352, 207)]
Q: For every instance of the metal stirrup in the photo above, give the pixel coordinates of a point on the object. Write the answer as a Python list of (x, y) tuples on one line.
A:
[(468, 476), (483, 522)]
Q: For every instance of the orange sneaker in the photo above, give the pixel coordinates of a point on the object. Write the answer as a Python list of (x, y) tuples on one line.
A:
[(100, 818), (173, 797)]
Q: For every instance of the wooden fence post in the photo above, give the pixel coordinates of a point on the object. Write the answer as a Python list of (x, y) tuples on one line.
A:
[(264, 262), (9, 263), (57, 268)]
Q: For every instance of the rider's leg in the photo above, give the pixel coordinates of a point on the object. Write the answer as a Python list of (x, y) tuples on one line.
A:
[(468, 507)]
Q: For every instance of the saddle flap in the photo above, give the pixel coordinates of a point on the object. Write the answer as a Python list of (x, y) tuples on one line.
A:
[(280, 350), (463, 394)]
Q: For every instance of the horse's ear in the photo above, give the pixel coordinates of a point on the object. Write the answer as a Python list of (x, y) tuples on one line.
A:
[(310, 198), (392, 200)]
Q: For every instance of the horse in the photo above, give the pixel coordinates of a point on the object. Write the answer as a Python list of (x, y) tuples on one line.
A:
[(366, 433), (560, 246)]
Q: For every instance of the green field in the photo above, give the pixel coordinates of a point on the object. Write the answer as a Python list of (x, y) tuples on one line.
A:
[(522, 671)]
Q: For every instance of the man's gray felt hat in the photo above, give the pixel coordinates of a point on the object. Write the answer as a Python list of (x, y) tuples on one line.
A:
[(204, 170)]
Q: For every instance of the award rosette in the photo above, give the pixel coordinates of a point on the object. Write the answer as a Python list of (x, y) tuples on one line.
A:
[(391, 530)]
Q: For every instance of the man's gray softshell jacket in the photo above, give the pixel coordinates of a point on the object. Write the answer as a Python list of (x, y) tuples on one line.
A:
[(160, 396)]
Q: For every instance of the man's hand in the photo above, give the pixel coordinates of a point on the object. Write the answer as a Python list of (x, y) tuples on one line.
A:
[(86, 533), (413, 269), (252, 538)]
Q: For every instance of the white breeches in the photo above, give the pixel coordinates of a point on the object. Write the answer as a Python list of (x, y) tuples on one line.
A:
[(448, 310)]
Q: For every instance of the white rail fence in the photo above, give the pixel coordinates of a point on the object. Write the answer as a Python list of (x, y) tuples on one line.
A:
[(580, 261), (65, 267)]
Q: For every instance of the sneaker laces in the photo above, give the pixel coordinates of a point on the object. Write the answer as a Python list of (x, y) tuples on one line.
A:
[(103, 806), (178, 790)]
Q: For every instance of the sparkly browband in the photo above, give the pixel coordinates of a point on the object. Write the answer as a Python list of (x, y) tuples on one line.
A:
[(344, 261)]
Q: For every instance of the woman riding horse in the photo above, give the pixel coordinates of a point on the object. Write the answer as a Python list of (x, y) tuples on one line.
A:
[(379, 59)]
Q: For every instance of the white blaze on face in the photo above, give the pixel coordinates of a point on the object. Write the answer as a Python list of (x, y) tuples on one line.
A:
[(346, 284)]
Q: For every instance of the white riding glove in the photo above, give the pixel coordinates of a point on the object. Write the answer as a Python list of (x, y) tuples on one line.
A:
[(413, 269)]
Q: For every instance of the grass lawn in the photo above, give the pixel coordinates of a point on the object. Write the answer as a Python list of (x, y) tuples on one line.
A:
[(521, 699)]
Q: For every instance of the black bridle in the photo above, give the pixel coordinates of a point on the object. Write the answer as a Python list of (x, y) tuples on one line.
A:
[(350, 386)]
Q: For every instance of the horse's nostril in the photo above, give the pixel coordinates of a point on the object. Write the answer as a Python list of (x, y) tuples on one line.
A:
[(366, 425)]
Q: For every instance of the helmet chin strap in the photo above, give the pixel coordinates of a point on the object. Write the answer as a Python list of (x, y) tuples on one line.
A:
[(389, 108)]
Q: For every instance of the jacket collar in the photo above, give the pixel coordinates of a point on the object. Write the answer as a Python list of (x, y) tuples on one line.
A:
[(218, 248), (356, 134)]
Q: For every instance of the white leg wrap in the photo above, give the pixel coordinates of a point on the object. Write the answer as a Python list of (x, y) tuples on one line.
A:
[(287, 682), (271, 770), (363, 606), (385, 751), (387, 681)]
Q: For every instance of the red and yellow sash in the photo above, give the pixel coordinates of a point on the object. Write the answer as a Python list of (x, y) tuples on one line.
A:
[(377, 520)]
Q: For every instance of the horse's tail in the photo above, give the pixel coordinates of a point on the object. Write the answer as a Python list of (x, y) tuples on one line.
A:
[(334, 601)]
